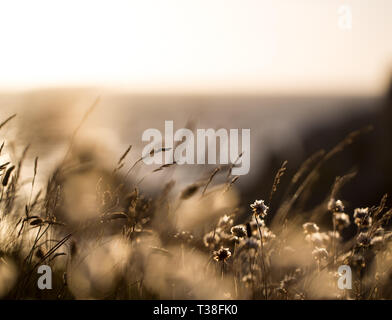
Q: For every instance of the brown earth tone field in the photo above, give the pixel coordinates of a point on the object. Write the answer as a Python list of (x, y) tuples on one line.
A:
[(111, 227)]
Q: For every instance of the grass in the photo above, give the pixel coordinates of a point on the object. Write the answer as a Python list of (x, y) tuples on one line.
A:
[(104, 238)]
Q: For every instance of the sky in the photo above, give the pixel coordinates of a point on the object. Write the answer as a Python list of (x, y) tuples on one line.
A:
[(286, 46)]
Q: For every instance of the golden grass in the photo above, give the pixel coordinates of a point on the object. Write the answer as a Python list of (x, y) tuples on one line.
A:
[(105, 239)]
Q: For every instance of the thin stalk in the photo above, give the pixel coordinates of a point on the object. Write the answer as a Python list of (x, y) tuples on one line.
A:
[(262, 260)]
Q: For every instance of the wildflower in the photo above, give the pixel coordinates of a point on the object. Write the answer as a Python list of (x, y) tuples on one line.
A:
[(361, 212), (318, 239), (364, 239), (319, 254), (310, 228), (334, 235), (255, 225), (239, 231), (259, 208), (222, 254), (228, 239), (341, 219), (211, 239), (335, 206), (362, 217), (184, 236), (226, 222)]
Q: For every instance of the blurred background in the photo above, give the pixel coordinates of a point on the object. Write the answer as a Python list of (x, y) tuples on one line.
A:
[(300, 74)]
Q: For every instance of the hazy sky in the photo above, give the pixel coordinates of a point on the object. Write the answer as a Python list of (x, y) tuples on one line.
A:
[(198, 45)]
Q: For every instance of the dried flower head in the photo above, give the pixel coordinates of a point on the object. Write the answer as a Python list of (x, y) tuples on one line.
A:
[(335, 205), (364, 239), (239, 231), (362, 217), (361, 212), (255, 225), (226, 222), (320, 254), (227, 239), (259, 208), (318, 239), (310, 227), (341, 219), (222, 254), (334, 235), (211, 239)]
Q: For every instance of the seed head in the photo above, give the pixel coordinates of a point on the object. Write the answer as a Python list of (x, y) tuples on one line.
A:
[(228, 240), (226, 222), (364, 239), (259, 208), (335, 205), (239, 231), (310, 228), (319, 254), (342, 220), (211, 239), (362, 217), (222, 254), (318, 239), (334, 235)]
